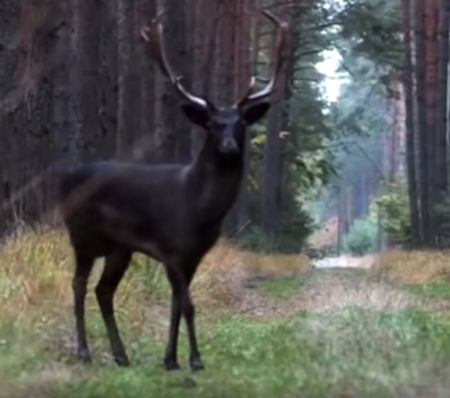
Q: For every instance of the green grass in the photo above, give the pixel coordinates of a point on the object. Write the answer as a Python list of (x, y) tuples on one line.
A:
[(355, 273), (282, 288), (431, 290), (350, 352)]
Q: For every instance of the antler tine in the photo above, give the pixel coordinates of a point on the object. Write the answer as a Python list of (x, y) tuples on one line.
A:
[(153, 35), (282, 30)]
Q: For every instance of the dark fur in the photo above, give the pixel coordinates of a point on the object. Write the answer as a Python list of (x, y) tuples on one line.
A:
[(172, 213)]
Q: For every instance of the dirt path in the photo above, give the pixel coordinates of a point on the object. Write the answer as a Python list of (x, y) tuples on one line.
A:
[(345, 261), (327, 289)]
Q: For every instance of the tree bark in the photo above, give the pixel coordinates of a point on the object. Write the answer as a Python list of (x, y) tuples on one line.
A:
[(421, 127), (271, 194), (441, 122), (407, 77), (431, 73)]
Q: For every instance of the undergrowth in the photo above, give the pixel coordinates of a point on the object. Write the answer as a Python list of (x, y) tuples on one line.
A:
[(334, 350)]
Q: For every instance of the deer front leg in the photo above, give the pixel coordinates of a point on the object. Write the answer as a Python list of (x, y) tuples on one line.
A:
[(195, 360), (181, 304), (189, 314), (170, 358)]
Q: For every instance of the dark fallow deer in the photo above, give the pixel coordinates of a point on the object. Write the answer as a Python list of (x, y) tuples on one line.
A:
[(172, 213)]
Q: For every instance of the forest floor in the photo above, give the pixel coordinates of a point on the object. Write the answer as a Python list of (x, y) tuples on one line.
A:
[(269, 326)]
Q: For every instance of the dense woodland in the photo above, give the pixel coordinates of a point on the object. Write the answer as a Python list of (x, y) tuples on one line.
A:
[(390, 129), (77, 83)]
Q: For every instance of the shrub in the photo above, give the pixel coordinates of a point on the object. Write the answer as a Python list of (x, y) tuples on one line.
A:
[(362, 236), (393, 210), (290, 238)]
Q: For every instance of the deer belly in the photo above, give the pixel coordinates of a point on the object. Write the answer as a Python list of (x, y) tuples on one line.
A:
[(128, 231), (127, 237)]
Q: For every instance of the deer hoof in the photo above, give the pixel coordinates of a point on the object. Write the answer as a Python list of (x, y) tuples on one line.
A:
[(171, 364), (84, 356), (122, 360), (196, 364)]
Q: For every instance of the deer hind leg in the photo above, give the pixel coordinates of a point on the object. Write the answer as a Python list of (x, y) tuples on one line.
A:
[(115, 268), (83, 268)]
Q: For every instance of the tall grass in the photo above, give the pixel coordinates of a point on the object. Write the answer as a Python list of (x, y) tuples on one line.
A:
[(413, 267), (37, 267)]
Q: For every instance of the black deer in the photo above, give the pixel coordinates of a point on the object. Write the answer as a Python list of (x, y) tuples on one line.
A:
[(172, 213)]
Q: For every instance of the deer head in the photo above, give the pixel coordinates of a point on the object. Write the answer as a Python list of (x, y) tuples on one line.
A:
[(225, 125)]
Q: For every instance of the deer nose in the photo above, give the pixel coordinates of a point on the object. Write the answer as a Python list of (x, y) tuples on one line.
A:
[(228, 146)]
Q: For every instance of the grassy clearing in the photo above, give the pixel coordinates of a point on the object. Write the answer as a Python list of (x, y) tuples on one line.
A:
[(345, 337), (283, 288), (439, 290), (345, 353), (315, 355)]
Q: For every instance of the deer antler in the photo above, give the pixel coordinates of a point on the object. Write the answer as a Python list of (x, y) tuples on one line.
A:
[(153, 35), (282, 30)]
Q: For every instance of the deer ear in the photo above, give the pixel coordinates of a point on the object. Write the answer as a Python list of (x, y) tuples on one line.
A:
[(196, 114), (255, 112)]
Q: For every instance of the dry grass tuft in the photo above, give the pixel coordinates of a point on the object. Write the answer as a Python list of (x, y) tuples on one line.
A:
[(413, 267), (219, 273), (226, 268), (277, 265), (35, 271)]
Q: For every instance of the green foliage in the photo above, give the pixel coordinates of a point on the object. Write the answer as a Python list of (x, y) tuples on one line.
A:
[(362, 237), (295, 227), (361, 110), (393, 210), (257, 240), (312, 170), (371, 30)]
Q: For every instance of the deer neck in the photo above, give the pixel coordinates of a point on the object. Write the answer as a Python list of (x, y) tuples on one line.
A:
[(215, 181)]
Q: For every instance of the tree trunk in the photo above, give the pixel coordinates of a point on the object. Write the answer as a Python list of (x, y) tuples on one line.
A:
[(128, 82), (441, 122), (174, 143), (85, 93), (431, 73), (272, 153), (408, 76), (145, 144), (421, 127)]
